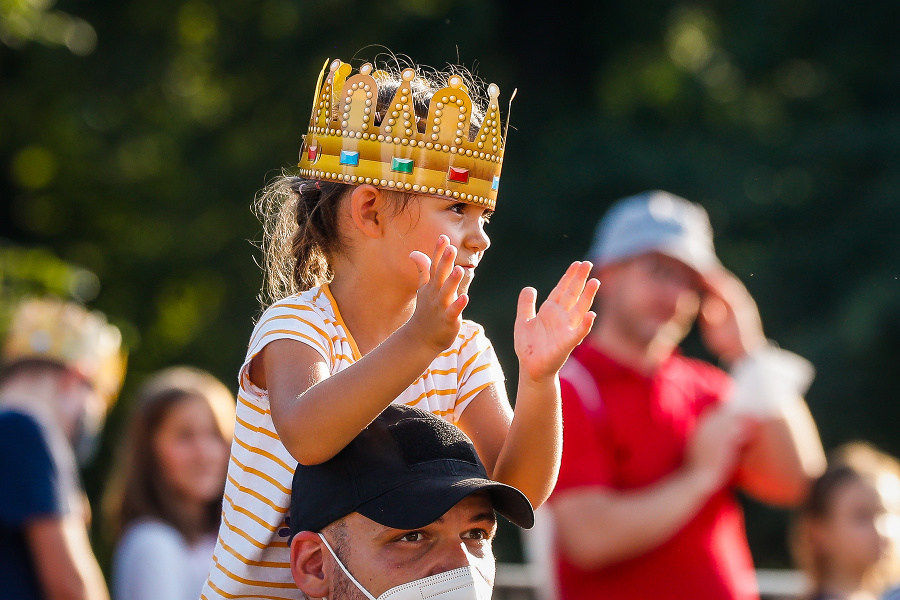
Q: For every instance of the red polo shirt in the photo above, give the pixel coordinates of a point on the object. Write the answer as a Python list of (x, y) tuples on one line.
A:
[(625, 431)]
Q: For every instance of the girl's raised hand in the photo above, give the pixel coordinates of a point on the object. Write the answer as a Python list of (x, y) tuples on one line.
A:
[(439, 305), (543, 341)]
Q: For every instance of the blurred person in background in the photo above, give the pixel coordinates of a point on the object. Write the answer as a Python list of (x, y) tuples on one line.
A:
[(844, 535), (165, 498), (655, 443), (62, 367)]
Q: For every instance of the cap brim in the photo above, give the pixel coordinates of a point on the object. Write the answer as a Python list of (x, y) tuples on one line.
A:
[(700, 262), (419, 503)]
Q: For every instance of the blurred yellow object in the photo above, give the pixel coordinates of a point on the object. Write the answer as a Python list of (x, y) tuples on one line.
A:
[(433, 156), (65, 332)]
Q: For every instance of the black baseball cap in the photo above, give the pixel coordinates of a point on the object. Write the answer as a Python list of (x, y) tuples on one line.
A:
[(405, 470)]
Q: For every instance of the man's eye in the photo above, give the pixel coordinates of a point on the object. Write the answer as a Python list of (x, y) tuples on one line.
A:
[(415, 536), (476, 534)]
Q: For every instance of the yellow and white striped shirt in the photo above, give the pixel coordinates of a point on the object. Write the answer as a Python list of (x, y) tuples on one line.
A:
[(251, 556)]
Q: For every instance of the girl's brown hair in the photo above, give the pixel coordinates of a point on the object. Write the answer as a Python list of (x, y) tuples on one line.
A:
[(300, 217), (138, 489), (850, 463)]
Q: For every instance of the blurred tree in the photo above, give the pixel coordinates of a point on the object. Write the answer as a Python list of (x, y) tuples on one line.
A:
[(133, 136)]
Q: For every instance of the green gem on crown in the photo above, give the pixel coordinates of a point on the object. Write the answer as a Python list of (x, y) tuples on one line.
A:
[(401, 165)]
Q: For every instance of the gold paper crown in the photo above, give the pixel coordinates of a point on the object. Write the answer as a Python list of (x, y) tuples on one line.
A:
[(344, 143), (64, 332)]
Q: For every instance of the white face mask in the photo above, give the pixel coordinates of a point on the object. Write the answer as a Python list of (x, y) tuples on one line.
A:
[(465, 583)]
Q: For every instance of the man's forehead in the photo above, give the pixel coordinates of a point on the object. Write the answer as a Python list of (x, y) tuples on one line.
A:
[(476, 507), (656, 257)]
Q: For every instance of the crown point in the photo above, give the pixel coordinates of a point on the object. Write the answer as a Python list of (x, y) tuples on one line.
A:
[(335, 64), (366, 69), (455, 81), (493, 90), (409, 74)]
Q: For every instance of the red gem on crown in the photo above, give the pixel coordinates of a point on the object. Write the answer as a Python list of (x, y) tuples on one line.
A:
[(458, 174)]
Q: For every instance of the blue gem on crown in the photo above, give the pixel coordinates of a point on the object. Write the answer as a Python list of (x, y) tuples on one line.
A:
[(349, 158)]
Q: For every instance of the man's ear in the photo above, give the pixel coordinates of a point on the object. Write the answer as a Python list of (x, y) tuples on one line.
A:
[(308, 565), (605, 274), (368, 209)]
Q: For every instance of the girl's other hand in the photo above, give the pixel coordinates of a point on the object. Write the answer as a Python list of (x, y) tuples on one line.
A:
[(439, 305), (543, 341)]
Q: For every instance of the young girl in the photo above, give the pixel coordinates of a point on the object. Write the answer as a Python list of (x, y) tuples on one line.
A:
[(166, 497), (374, 249), (844, 536)]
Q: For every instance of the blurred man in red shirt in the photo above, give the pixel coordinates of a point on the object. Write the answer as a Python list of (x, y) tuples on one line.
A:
[(656, 443)]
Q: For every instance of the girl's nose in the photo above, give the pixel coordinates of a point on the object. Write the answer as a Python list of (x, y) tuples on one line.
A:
[(478, 239)]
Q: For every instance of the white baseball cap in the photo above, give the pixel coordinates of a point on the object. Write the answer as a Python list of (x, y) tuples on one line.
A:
[(655, 221)]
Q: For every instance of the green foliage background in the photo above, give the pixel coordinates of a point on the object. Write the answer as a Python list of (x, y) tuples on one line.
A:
[(133, 136)]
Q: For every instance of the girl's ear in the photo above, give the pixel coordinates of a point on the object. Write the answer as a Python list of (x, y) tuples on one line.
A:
[(307, 565), (368, 209)]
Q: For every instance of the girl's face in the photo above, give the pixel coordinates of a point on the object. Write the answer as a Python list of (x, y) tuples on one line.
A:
[(426, 218), (852, 536), (190, 451)]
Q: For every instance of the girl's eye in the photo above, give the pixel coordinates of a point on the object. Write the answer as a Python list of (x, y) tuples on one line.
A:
[(459, 207)]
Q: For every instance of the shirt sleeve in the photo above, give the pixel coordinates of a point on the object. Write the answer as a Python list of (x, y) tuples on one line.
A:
[(293, 320), (149, 564), (30, 485), (588, 454), (477, 367)]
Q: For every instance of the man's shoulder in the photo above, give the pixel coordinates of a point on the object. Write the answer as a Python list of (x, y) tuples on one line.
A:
[(591, 364), (588, 358), (31, 479), (20, 431), (15, 418), (680, 366)]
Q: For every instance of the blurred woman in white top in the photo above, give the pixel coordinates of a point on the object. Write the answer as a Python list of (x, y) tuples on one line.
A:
[(165, 499)]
